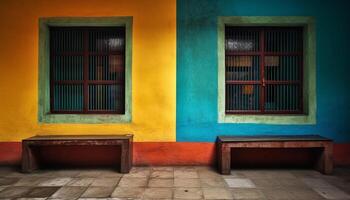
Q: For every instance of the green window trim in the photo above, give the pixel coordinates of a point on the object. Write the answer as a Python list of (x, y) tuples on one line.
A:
[(44, 115), (309, 84)]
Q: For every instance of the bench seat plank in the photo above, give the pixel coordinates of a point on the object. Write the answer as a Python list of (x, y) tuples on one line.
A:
[(271, 138), (79, 137)]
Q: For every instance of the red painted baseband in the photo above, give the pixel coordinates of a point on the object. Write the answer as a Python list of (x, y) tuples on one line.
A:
[(157, 153)]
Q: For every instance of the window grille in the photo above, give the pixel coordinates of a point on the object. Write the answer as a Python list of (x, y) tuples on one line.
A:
[(263, 70), (87, 69)]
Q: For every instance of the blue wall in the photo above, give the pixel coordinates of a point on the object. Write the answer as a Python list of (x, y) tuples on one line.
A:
[(197, 70)]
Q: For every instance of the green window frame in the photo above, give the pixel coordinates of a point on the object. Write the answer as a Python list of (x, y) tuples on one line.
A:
[(44, 115), (309, 62)]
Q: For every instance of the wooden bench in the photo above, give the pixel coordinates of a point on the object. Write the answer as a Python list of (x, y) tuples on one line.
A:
[(226, 143), (30, 162)]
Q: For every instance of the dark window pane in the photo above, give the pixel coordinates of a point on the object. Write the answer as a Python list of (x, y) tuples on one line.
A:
[(242, 68), (106, 98), (283, 40), (282, 98), (244, 40), (67, 67), (68, 98), (112, 39), (283, 68), (66, 40), (242, 97), (109, 67)]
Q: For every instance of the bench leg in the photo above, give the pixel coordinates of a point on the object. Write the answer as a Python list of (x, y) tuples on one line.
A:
[(126, 157), (325, 160), (225, 159), (29, 162)]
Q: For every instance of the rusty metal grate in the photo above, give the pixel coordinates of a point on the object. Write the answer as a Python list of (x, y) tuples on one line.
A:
[(87, 67), (264, 70)]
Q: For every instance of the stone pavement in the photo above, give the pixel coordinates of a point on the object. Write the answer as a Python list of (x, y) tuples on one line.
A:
[(174, 183)]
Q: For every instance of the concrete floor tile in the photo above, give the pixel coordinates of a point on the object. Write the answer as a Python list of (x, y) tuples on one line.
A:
[(186, 182), (185, 173), (66, 173), (41, 192), (87, 198), (158, 193), (281, 174), (111, 174), (332, 193), (161, 182), (128, 192), (186, 168), (132, 182), (266, 183), (69, 192), (98, 192), (55, 182), (256, 174), (111, 198), (2, 187), (208, 174), (162, 174), (306, 173), (188, 193), (234, 174), (340, 182), (90, 173), (138, 172), (105, 182), (292, 182), (5, 170), (278, 194), (169, 169), (8, 181), (16, 174), (13, 192), (30, 181), (213, 182), (247, 193), (305, 194), (42, 173), (84, 182), (217, 193), (205, 168), (316, 182), (239, 183)]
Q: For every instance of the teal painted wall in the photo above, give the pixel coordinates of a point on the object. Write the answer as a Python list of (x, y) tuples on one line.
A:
[(197, 69)]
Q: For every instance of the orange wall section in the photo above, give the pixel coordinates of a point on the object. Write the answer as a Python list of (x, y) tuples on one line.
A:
[(153, 67)]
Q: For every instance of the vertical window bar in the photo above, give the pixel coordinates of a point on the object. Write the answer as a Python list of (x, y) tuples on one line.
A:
[(262, 68)]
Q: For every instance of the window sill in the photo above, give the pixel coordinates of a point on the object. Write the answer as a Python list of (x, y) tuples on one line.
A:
[(269, 119), (85, 118)]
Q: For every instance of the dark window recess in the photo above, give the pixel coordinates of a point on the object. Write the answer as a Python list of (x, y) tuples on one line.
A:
[(264, 70), (87, 69)]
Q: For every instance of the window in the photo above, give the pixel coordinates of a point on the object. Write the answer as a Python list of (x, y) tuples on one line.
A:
[(87, 70), (264, 69)]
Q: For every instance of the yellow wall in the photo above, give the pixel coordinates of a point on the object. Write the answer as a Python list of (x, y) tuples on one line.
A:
[(153, 67)]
